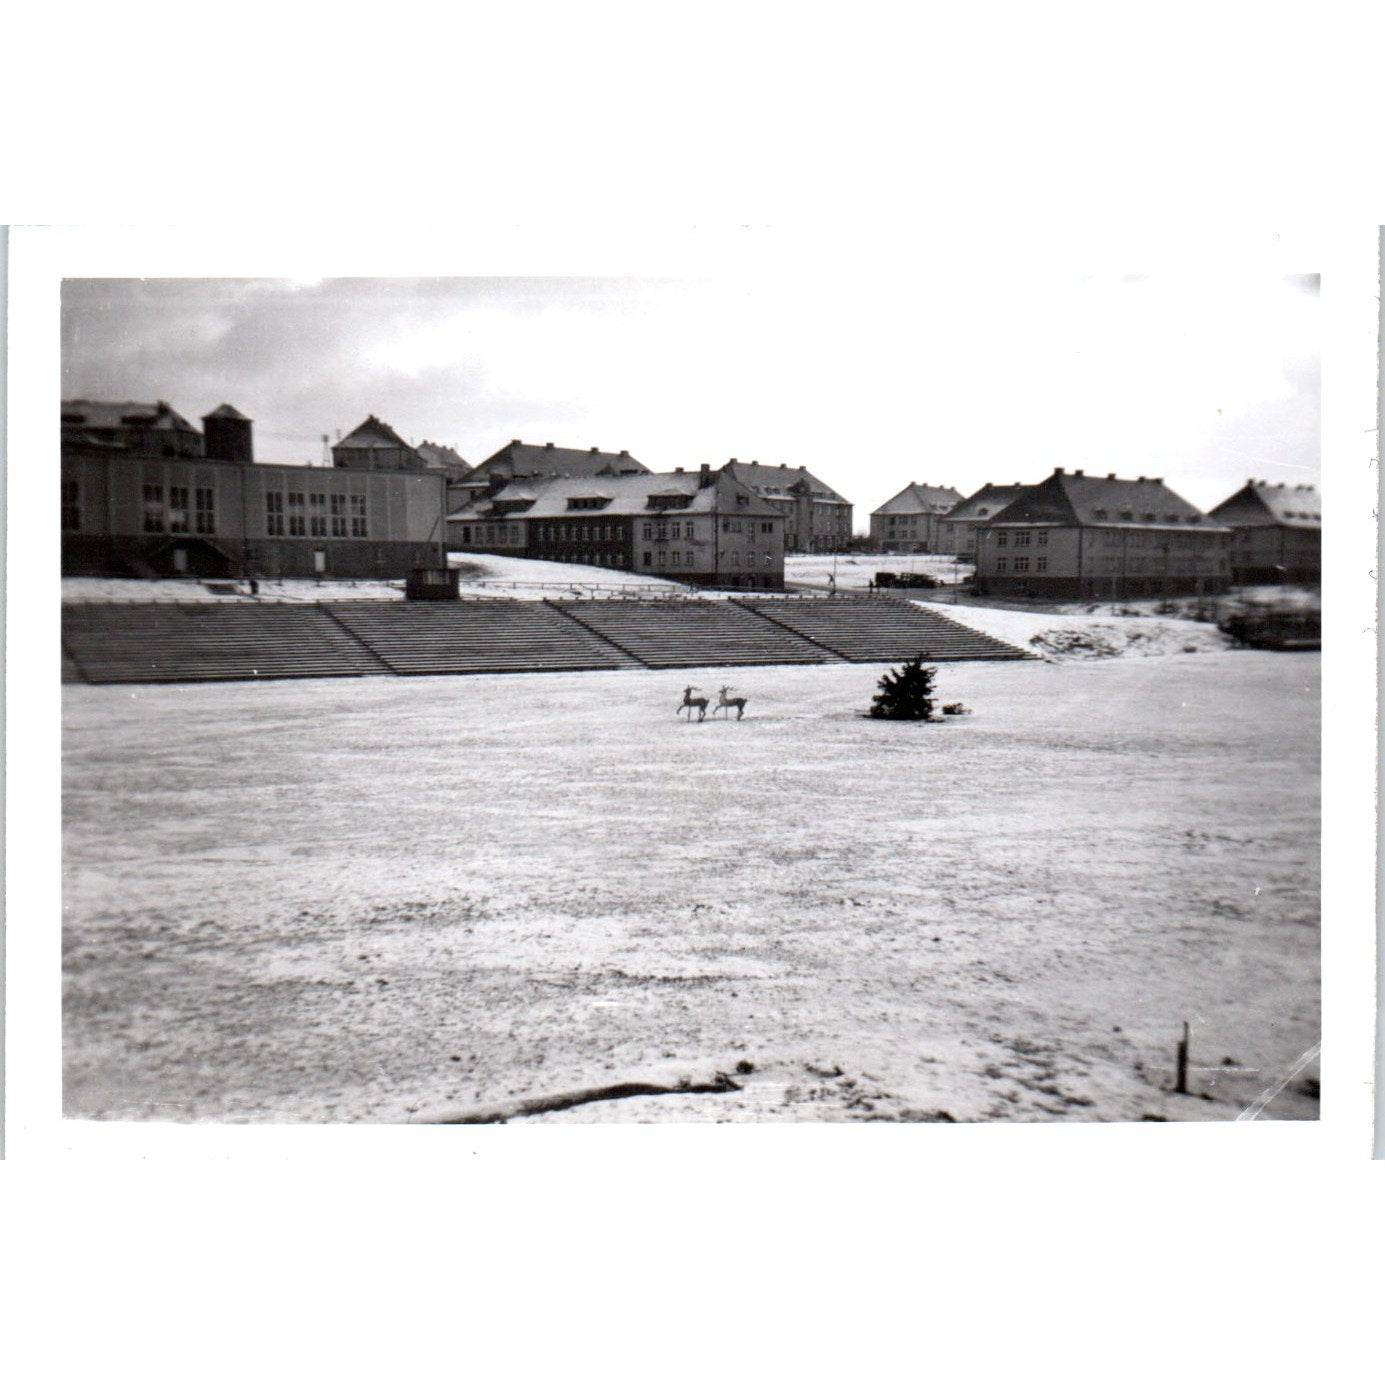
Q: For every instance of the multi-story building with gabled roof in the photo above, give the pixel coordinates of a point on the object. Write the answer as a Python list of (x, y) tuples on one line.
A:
[(374, 446), (1100, 538), (816, 518), (957, 528), (156, 430), (1276, 532), (145, 494), (700, 527), (911, 522)]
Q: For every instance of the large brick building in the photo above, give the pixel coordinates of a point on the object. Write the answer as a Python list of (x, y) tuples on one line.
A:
[(701, 527), (1090, 537), (1276, 532), (816, 519), (911, 522), (145, 494), (957, 529)]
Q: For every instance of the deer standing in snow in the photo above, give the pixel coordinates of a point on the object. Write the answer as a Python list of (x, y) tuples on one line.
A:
[(728, 702), (689, 701)]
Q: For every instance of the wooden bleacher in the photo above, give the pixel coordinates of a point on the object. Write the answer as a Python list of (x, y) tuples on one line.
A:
[(871, 629), (482, 636), (690, 634), (148, 642), (175, 642)]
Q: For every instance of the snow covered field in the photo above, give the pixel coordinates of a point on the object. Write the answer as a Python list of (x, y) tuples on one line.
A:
[(366, 900)]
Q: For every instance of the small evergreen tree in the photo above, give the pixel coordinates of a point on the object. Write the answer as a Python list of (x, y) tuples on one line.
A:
[(905, 694)]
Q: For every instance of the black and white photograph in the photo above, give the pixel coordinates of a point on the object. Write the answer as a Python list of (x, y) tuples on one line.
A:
[(691, 699), (675, 707)]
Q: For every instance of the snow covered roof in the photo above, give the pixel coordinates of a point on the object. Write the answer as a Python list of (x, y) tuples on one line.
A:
[(438, 456), (94, 413), (518, 458), (780, 481), (641, 494), (1074, 498), (373, 432), (985, 503), (915, 499), (1258, 504)]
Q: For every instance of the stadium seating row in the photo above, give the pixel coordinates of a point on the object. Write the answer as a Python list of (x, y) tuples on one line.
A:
[(162, 642)]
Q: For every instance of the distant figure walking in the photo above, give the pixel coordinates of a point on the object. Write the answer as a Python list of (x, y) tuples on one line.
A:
[(689, 701), (831, 584), (737, 702)]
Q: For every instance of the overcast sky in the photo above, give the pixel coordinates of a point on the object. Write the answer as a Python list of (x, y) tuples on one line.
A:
[(869, 381)]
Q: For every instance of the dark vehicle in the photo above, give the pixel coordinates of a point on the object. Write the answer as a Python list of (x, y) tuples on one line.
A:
[(905, 579), (1275, 629)]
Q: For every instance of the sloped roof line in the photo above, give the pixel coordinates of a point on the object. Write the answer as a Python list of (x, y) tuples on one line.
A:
[(630, 495), (361, 435), (916, 499)]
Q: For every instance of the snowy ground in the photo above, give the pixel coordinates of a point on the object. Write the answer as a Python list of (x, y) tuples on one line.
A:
[(481, 575), (373, 899), (855, 571)]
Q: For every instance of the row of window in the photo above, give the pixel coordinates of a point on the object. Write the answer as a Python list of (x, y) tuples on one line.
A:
[(1022, 564), (1022, 537), (575, 533), (181, 510), (309, 515)]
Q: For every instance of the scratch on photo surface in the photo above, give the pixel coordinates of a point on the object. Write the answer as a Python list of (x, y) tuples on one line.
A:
[(1252, 1112)]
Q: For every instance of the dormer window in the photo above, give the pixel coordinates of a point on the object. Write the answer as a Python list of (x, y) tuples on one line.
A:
[(669, 500), (1128, 514), (1150, 517), (1100, 514), (588, 502)]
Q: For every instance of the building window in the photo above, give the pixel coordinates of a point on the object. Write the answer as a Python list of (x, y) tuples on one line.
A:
[(297, 523), (177, 509), (676, 531), (648, 558), (735, 558), (1042, 539), (1021, 564), (1000, 564), (317, 516), (1001, 539), (153, 509), (663, 558), (1022, 539), (72, 506), (647, 531), (338, 506), (358, 516), (274, 512), (690, 559), (204, 517), (1041, 564), (675, 561)]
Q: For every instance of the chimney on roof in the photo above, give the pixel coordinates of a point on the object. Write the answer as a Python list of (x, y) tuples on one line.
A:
[(1057, 471), (1158, 480), (1079, 472), (1110, 475), (623, 452), (548, 447), (704, 475), (1142, 478), (732, 462), (515, 442), (783, 466), (678, 470)]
